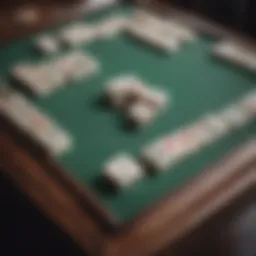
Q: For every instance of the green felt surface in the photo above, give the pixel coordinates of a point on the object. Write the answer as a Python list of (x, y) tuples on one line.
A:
[(197, 82)]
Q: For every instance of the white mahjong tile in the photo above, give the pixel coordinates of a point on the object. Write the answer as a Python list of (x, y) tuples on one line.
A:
[(155, 98), (117, 94), (93, 68), (165, 152), (122, 170), (40, 86), (33, 119), (35, 78), (154, 157), (60, 67), (111, 26), (176, 144), (166, 37), (70, 30), (155, 39), (12, 100), (196, 136), (55, 79), (123, 88), (53, 139), (159, 36), (249, 103), (78, 34), (134, 83), (141, 114), (236, 116), (144, 16), (39, 120), (70, 39), (18, 99), (62, 142), (21, 71), (217, 126), (180, 31), (76, 65), (15, 109), (35, 123), (88, 34), (47, 44), (77, 58), (225, 49), (85, 66), (236, 53), (47, 75), (124, 80), (65, 67), (21, 119), (97, 5), (81, 71)]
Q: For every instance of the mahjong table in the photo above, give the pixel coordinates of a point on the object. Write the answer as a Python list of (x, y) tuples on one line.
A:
[(162, 207)]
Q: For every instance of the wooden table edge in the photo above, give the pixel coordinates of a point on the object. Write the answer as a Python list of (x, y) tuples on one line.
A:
[(147, 233), (50, 196), (84, 197), (182, 212)]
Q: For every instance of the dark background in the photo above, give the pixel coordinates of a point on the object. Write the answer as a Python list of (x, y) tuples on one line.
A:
[(25, 231), (240, 14)]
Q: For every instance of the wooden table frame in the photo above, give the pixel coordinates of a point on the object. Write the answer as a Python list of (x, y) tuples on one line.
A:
[(76, 210)]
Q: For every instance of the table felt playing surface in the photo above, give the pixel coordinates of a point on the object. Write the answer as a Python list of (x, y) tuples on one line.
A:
[(197, 82)]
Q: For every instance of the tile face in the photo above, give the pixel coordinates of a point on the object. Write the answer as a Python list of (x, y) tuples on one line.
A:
[(140, 113), (35, 123), (122, 170), (47, 44)]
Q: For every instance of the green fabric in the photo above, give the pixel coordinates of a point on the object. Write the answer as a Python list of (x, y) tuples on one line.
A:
[(197, 82)]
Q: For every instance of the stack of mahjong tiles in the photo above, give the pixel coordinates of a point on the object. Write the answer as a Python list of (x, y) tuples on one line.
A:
[(173, 148), (33, 122), (45, 78), (141, 103), (78, 34), (123, 170), (111, 26), (162, 33), (236, 53), (47, 44)]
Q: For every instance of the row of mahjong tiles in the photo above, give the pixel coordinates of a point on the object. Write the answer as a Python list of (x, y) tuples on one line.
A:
[(99, 133), (166, 35), (171, 148), (159, 156), (46, 77)]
